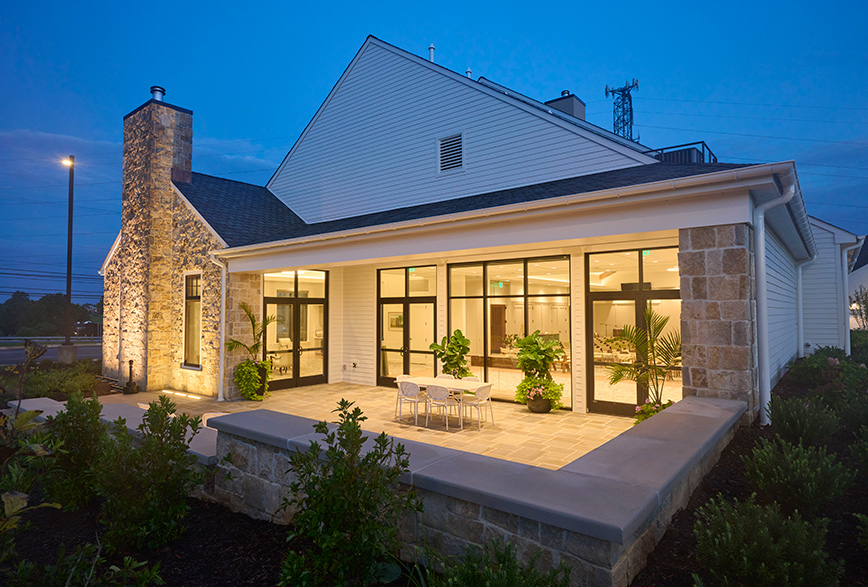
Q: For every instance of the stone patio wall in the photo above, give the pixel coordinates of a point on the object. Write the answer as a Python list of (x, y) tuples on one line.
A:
[(600, 515), (718, 313), (243, 287)]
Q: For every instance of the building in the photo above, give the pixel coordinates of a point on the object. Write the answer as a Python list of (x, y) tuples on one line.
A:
[(418, 201)]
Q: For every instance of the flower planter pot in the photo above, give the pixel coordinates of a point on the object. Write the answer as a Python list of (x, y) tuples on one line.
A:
[(263, 375), (539, 405)]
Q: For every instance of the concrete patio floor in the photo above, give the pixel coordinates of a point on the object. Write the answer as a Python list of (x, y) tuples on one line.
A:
[(543, 440)]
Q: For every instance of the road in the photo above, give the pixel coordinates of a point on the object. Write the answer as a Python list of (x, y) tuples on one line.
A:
[(16, 356)]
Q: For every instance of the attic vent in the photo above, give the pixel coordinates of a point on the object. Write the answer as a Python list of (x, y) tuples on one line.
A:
[(451, 153)]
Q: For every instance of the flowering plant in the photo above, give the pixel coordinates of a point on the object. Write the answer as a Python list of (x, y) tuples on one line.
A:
[(538, 387), (648, 409)]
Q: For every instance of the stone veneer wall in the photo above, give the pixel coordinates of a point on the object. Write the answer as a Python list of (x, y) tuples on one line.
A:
[(243, 287), (111, 320), (191, 243), (620, 499), (718, 313)]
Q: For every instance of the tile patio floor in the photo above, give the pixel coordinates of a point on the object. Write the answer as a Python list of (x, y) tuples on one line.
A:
[(543, 440)]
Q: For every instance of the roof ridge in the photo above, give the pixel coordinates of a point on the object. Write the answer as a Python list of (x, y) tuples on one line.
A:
[(232, 180)]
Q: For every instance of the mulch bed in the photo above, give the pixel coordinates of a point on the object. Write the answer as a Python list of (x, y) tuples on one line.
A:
[(674, 559), (218, 547)]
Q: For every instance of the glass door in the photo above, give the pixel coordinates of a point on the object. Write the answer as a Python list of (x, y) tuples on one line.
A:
[(296, 342), (406, 325), (621, 285)]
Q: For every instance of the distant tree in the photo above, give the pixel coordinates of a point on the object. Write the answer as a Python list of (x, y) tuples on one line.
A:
[(15, 313)]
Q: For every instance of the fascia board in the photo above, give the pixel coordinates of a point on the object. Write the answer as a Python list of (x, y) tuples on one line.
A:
[(198, 215), (111, 253), (746, 178)]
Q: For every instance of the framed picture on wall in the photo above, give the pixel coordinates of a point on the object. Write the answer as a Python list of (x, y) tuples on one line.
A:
[(396, 320)]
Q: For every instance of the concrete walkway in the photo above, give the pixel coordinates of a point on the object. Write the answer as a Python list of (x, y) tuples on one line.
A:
[(549, 440)]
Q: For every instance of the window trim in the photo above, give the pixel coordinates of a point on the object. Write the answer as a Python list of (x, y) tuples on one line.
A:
[(184, 363)]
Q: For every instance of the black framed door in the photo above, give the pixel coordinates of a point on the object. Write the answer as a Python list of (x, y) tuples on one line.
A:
[(406, 319), (620, 286), (297, 341)]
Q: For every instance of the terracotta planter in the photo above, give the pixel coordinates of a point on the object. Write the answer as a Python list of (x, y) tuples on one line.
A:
[(539, 405)]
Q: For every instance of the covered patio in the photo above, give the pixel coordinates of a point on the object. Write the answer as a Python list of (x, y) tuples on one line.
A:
[(550, 441)]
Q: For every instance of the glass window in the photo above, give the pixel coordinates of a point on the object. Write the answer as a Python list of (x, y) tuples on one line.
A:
[(192, 319), (422, 281), (280, 285), (660, 268), (505, 279), (465, 280), (392, 283), (311, 284), (466, 316), (614, 271), (548, 276)]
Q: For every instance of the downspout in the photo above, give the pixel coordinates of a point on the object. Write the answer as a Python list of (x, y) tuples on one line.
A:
[(223, 269), (845, 266), (762, 327), (800, 313)]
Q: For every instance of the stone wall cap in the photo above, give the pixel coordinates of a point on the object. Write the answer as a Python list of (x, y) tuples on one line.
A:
[(48, 406), (589, 505), (265, 426)]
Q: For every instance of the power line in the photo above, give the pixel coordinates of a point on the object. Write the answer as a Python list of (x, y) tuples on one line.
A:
[(776, 105), (737, 117)]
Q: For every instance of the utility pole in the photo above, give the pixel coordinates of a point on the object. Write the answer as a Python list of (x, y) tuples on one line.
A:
[(623, 109)]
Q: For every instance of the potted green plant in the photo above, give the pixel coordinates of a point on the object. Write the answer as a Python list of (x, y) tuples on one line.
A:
[(657, 356), (252, 374), (538, 389), (452, 353)]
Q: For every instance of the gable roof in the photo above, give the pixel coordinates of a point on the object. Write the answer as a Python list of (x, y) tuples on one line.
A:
[(245, 214), (240, 213)]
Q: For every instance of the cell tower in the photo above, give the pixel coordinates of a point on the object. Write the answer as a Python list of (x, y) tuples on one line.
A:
[(623, 111)]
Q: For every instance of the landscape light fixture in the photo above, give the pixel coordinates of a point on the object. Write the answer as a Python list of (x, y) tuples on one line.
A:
[(66, 353)]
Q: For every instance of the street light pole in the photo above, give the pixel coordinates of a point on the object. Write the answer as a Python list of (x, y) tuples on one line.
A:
[(67, 354)]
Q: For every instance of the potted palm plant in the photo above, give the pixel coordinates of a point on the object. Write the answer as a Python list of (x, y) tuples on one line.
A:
[(452, 354), (252, 374), (538, 389), (657, 356)]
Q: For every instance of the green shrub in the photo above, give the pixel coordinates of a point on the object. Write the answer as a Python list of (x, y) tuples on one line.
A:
[(799, 421), (849, 403), (750, 544), (145, 483), (862, 536), (798, 476), (85, 566), (648, 409), (498, 566), (79, 428), (452, 354), (819, 367), (348, 505), (859, 346), (248, 379), (859, 448), (56, 381)]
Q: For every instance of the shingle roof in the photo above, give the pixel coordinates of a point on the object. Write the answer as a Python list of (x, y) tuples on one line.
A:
[(861, 260), (245, 214)]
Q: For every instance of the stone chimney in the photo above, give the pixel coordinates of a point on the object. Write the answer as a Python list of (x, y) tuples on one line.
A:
[(158, 141), (569, 104)]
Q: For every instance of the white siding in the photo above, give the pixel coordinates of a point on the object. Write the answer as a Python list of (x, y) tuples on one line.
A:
[(373, 144), (336, 325), (782, 315), (360, 325), (823, 296)]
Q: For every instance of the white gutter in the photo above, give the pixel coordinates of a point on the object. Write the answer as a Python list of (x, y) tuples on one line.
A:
[(667, 188), (845, 266), (799, 306), (223, 270), (762, 327)]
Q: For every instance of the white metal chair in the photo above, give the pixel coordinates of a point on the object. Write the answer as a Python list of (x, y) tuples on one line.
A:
[(439, 397), (479, 400), (398, 379), (411, 393), (445, 376)]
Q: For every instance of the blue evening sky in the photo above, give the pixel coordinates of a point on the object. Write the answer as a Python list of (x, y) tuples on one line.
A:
[(758, 81)]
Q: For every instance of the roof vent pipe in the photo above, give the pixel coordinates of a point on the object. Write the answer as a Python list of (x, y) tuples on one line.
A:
[(565, 93), (469, 73), (157, 92), (431, 52)]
